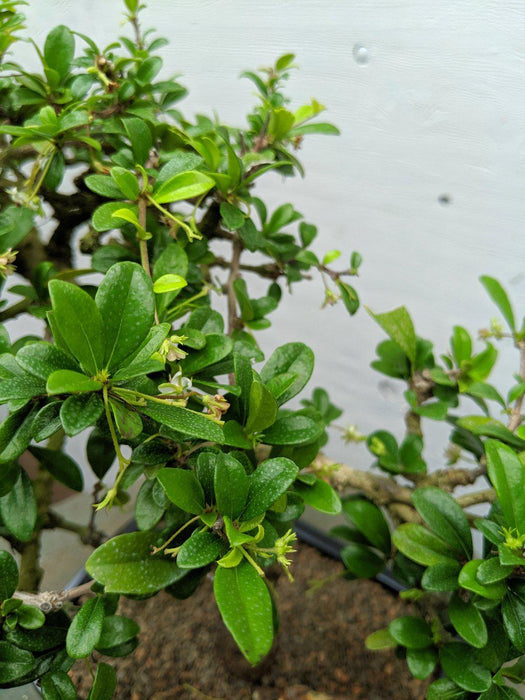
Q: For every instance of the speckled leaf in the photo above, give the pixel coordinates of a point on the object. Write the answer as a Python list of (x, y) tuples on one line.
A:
[(41, 359), (14, 662), (61, 466), (293, 429), (468, 621), (18, 508), (445, 517), (217, 348), (116, 630), (421, 545), (398, 325), (79, 322), (262, 408), (507, 475), (468, 579), (269, 481), (57, 685), (246, 609), (127, 305), (201, 549), (125, 565), (320, 496), (459, 663), (292, 358), (85, 629), (79, 412), (8, 575), (104, 684), (15, 433), (184, 421)]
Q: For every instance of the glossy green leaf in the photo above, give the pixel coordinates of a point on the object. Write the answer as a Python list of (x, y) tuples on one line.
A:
[(445, 689), (468, 621), (183, 489), (262, 408), (269, 481), (412, 632), (59, 50), (168, 283), (127, 182), (104, 185), (85, 629), (320, 495), (79, 322), (105, 683), (14, 662), (444, 516), (369, 520), (65, 381), (80, 412), (507, 475), (459, 663), (513, 612), (381, 639), (104, 218), (140, 138), (126, 565), (57, 685), (421, 545), (231, 485), (62, 467), (468, 579), (18, 508), (8, 575), (217, 347), (441, 577), (293, 429), (421, 662), (201, 549), (246, 609), (116, 630), (292, 358), (41, 359), (361, 561), (127, 306), (183, 186), (492, 570), (184, 421), (398, 325), (30, 617)]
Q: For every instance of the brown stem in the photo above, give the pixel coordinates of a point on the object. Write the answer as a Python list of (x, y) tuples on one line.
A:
[(50, 601)]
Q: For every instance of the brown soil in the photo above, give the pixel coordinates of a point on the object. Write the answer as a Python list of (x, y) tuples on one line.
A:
[(186, 653)]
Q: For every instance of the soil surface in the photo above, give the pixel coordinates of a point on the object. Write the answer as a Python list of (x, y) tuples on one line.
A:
[(186, 653)]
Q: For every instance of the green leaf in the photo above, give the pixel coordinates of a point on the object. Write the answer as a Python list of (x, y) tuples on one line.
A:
[(147, 511), (79, 412), (201, 549), (14, 662), (59, 50), (126, 565), (30, 617), (104, 218), (491, 570), (126, 182), (41, 359), (444, 516), (217, 347), (500, 298), (18, 508), (183, 186), (461, 343), (293, 429), (246, 609), (468, 621), (232, 217), (269, 481), (459, 662), (513, 611), (116, 630), (85, 629), (62, 467), (292, 358), (15, 434), (79, 322), (104, 185), (183, 489), (421, 662), (507, 475), (398, 325), (8, 575), (105, 683), (184, 421), (65, 381), (412, 632), (140, 138), (381, 639), (468, 579), (441, 577), (361, 561), (24, 387), (262, 408), (57, 685), (369, 520), (168, 283), (231, 485), (445, 689), (127, 307), (320, 496), (419, 544), (127, 420), (349, 296)]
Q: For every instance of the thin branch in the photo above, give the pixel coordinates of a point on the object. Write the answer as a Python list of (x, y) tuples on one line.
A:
[(515, 418), (50, 601), (472, 499)]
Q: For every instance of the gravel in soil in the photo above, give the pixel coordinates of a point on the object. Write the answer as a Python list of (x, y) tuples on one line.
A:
[(186, 653)]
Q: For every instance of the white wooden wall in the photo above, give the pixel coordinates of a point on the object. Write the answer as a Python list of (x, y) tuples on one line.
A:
[(430, 100)]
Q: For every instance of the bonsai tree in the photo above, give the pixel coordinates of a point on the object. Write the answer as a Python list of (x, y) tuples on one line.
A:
[(173, 392), (464, 573)]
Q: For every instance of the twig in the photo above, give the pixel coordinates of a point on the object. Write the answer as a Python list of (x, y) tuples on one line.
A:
[(515, 418), (50, 601)]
